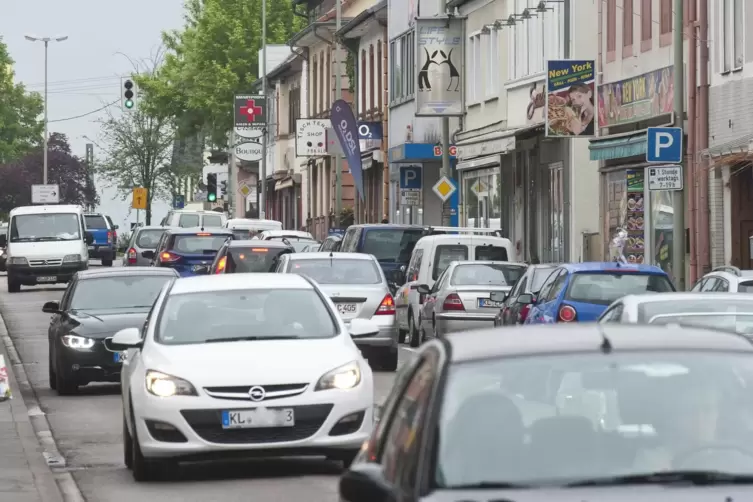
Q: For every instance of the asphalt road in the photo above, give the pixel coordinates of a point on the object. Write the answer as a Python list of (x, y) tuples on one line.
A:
[(87, 429)]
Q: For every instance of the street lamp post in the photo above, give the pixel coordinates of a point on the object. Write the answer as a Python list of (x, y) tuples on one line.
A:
[(46, 41)]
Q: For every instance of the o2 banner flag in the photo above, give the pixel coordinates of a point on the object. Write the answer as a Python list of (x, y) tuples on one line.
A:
[(346, 128), (571, 94)]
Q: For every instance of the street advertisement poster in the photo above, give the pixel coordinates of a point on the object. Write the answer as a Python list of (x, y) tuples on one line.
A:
[(635, 246), (250, 115), (571, 90), (439, 60), (636, 99), (346, 128)]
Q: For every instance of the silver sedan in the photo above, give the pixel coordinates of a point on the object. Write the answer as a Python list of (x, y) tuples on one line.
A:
[(357, 286), (142, 239), (461, 298)]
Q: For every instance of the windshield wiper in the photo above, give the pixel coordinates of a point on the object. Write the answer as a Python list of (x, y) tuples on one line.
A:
[(490, 485), (698, 477), (250, 339)]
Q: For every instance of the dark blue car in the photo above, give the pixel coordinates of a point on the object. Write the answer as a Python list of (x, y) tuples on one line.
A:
[(105, 238), (580, 292), (190, 251)]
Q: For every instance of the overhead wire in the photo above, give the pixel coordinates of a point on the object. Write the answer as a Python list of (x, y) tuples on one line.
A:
[(85, 114)]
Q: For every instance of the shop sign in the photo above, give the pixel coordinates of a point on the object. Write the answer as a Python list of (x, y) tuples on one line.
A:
[(570, 107), (537, 104), (311, 137), (636, 99), (438, 151)]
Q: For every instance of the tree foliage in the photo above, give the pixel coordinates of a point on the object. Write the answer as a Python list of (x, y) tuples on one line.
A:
[(214, 57), (20, 127), (64, 169)]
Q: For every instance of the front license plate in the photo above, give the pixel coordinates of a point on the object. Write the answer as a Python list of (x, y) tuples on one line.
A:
[(256, 418), (119, 357), (47, 278), (347, 309), (198, 268), (487, 303)]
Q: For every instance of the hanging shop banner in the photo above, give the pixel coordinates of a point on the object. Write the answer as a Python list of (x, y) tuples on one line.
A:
[(439, 61), (571, 93), (346, 128), (311, 137), (638, 98)]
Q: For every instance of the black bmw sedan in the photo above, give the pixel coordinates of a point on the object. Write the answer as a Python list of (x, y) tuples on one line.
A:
[(97, 304)]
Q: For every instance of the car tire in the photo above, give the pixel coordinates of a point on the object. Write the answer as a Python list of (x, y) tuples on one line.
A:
[(402, 335), (51, 370), (106, 263), (64, 386), (13, 286), (127, 445), (413, 331), (388, 359)]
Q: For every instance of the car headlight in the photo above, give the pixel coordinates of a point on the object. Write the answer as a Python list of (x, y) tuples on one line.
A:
[(344, 377), (163, 385), (72, 258), (17, 260), (77, 342)]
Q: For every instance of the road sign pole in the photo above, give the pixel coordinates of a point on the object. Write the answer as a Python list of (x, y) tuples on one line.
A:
[(339, 95), (263, 163), (678, 197)]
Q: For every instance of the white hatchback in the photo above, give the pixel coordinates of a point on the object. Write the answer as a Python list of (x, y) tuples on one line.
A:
[(225, 364)]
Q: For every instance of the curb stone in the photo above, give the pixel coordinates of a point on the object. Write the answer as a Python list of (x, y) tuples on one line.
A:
[(54, 484)]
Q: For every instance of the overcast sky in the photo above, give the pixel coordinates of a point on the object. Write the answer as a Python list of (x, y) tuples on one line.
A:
[(85, 71)]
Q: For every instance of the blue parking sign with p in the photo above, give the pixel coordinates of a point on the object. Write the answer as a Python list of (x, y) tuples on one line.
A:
[(410, 178), (664, 144)]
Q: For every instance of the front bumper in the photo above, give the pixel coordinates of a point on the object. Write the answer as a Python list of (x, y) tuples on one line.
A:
[(453, 322), (190, 427), (106, 252), (94, 365), (29, 276)]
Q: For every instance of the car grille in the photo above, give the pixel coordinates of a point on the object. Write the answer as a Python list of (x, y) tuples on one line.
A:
[(241, 392), (46, 263), (208, 425)]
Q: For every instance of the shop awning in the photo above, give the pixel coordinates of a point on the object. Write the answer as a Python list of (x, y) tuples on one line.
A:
[(608, 148), (368, 159), (284, 183), (731, 152)]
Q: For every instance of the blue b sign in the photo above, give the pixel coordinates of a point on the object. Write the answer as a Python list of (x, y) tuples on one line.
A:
[(664, 144), (179, 202), (410, 178)]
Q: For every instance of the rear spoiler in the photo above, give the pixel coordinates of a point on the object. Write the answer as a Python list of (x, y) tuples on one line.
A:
[(496, 232)]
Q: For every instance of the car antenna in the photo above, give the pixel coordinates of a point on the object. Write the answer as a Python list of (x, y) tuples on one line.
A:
[(331, 258), (606, 345)]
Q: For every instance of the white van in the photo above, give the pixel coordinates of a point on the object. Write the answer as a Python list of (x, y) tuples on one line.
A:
[(431, 256), (245, 228), (45, 245)]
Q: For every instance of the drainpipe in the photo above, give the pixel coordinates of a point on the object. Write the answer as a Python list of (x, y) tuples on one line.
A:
[(693, 178), (385, 128), (603, 218), (703, 140)]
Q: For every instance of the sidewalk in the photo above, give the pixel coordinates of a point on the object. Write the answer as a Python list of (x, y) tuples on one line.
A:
[(24, 473)]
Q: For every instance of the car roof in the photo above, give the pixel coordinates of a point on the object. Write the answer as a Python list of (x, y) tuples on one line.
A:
[(118, 271), (489, 262), (196, 211), (672, 296), (256, 243), (150, 227), (394, 226), (198, 230), (580, 337), (445, 238), (326, 255), (51, 208), (604, 266), (235, 282), (274, 232)]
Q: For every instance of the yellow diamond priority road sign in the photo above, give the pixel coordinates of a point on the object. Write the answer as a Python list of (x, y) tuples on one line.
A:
[(444, 188)]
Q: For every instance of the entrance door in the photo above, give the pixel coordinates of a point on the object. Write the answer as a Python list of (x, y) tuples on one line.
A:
[(746, 230)]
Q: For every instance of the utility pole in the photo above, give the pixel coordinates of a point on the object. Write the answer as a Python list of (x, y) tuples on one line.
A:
[(339, 95), (263, 164), (678, 198), (446, 170), (46, 41)]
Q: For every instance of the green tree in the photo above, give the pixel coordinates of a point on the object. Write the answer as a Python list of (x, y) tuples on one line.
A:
[(20, 127), (214, 57)]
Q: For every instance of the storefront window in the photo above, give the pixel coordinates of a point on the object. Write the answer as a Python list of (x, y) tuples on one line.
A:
[(616, 204), (482, 198), (635, 247), (661, 218)]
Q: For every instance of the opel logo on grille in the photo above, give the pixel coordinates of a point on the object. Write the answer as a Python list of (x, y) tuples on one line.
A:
[(256, 393)]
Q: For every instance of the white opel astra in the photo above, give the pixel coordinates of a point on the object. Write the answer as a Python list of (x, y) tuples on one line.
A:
[(240, 364)]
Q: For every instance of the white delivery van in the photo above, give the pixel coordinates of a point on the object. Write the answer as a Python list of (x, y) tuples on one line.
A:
[(245, 228), (45, 245), (431, 256)]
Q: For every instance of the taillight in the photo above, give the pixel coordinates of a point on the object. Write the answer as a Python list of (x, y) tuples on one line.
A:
[(109, 237), (566, 314), (387, 307), (168, 257), (221, 265), (523, 314), (131, 255), (453, 302)]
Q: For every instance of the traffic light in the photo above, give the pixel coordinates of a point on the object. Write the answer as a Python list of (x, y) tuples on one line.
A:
[(223, 188), (128, 94), (212, 187)]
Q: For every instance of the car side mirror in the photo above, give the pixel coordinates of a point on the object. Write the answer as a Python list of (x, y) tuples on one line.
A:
[(115, 227), (128, 338), (3, 240), (89, 238), (148, 254), (361, 328), (423, 289), (525, 299), (51, 307), (498, 296), (366, 483)]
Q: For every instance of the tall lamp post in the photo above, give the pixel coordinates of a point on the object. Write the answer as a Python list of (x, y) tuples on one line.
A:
[(46, 41)]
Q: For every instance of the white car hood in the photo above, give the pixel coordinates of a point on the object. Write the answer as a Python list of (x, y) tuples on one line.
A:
[(254, 362), (44, 250)]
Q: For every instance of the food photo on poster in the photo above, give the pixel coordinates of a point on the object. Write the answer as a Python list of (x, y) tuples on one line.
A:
[(571, 94)]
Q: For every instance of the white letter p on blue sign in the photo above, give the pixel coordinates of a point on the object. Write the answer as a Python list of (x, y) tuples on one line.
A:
[(663, 140), (664, 144)]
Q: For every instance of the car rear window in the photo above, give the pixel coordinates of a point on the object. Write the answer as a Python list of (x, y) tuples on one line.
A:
[(447, 254), (95, 221), (212, 220), (338, 271), (491, 253), (188, 220), (391, 245), (241, 233), (198, 244), (486, 274), (745, 287), (604, 288), (148, 239), (252, 259)]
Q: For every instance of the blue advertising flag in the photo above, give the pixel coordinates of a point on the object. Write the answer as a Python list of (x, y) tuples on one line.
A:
[(345, 126)]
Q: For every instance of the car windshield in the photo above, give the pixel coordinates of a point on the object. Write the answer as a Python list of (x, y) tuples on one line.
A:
[(338, 270), (198, 244), (45, 227), (148, 239), (581, 418), (486, 274), (540, 274), (605, 288), (254, 314), (95, 221), (120, 292), (391, 245), (252, 259), (188, 220)]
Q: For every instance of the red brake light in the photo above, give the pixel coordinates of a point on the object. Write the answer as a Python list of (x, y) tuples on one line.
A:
[(221, 265), (203, 234), (110, 236), (259, 250), (453, 302), (523, 314), (566, 314), (131, 255), (168, 257), (387, 307)]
